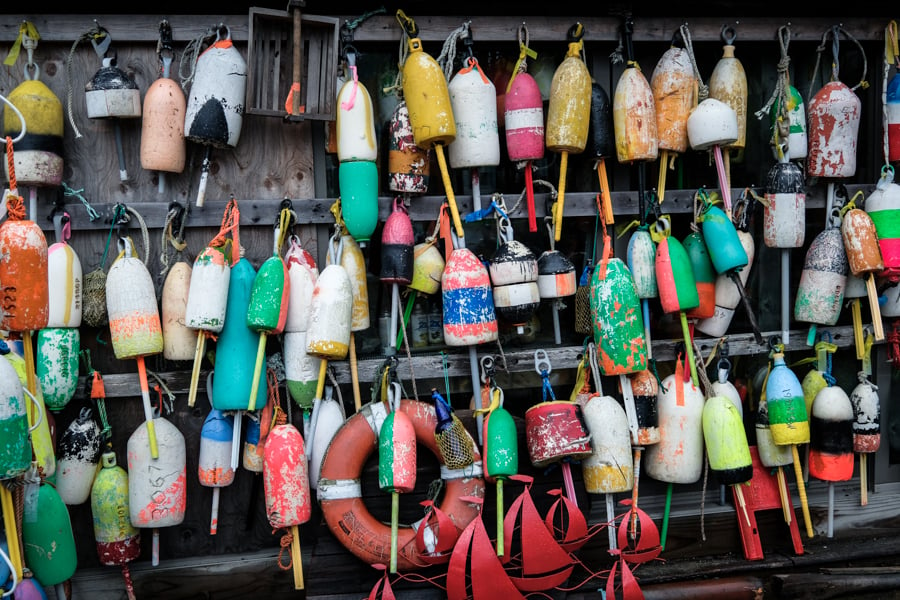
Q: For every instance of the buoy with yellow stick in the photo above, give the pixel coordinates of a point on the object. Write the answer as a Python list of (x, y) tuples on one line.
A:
[(430, 111), (867, 419), (568, 113)]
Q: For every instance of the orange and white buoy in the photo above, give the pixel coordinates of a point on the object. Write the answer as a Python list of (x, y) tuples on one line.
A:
[(672, 84), (24, 271)]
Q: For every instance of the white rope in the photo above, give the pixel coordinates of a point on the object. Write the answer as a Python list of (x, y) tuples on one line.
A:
[(448, 52)]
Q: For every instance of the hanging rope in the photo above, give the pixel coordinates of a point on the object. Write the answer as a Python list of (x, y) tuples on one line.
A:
[(145, 234), (835, 60), (169, 238), (93, 215), (230, 225), (191, 53), (93, 35), (702, 88), (780, 95), (448, 52)]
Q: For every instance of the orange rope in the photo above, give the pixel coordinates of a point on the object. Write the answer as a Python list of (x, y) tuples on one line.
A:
[(231, 219), (607, 243), (15, 206), (285, 544), (13, 185)]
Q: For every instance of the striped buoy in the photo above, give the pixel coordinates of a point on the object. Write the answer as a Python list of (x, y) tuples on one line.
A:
[(330, 314), (47, 539), (24, 271), (357, 150), (678, 457), (15, 448), (618, 321), (524, 120), (770, 453), (179, 340), (397, 242), (118, 541), (79, 458), (468, 301), (834, 114), (831, 435), (609, 468), (892, 117), (820, 294), (134, 323), (726, 441), (302, 272), (645, 390), (214, 468), (788, 418), (112, 94), (867, 416), (38, 156), (301, 369), (784, 215), (215, 106), (409, 166), (473, 99), (514, 274), (56, 364), (883, 205), (65, 286)]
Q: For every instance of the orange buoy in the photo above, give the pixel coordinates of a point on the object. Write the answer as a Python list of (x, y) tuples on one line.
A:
[(672, 84), (24, 271)]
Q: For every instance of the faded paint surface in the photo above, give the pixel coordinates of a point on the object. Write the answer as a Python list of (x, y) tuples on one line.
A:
[(162, 127), (474, 101), (408, 165), (678, 457), (330, 314), (355, 123), (645, 390), (634, 118), (672, 84), (219, 91), (214, 460), (513, 262), (569, 110), (712, 123), (24, 293), (37, 158), (65, 285), (524, 119), (468, 301), (397, 454), (134, 323), (784, 220), (861, 243), (157, 487), (56, 365), (675, 277), (428, 265), (788, 418), (118, 541), (179, 341), (834, 113), (554, 431), (354, 263), (427, 98), (286, 480), (728, 83), (618, 321), (823, 279), (867, 418), (267, 310), (78, 459), (208, 291), (610, 466), (303, 274), (641, 260), (501, 450)]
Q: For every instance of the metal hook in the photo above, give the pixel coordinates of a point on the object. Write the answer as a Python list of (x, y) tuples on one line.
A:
[(487, 369), (541, 362), (728, 35)]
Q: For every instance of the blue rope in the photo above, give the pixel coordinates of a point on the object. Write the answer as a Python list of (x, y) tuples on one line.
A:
[(478, 215), (547, 390)]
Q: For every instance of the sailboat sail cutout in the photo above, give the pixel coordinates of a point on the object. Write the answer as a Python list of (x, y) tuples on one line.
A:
[(630, 590), (567, 523), (541, 562), (436, 535), (645, 545), (383, 585), (475, 571)]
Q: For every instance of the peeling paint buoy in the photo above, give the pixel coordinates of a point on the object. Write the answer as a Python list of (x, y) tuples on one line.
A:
[(79, 458)]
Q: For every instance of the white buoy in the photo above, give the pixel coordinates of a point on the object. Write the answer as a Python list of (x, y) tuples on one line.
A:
[(65, 285), (678, 457), (327, 418), (303, 274), (179, 340), (79, 459)]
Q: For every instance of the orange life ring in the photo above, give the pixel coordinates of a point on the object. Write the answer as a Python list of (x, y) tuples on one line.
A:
[(340, 492)]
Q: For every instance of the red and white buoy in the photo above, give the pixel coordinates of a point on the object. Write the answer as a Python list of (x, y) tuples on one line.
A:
[(214, 467), (524, 127), (834, 115), (408, 165)]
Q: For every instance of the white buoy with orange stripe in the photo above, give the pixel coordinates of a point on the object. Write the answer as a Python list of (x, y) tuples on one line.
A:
[(568, 114), (215, 107), (163, 147), (134, 322), (157, 486)]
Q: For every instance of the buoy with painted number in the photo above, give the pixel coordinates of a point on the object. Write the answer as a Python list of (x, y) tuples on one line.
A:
[(56, 364), (24, 272), (65, 281), (78, 458), (179, 340), (118, 541)]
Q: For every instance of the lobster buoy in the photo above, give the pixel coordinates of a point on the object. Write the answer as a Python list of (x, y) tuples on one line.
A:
[(617, 319), (267, 310), (514, 273), (24, 272), (704, 276), (302, 272), (770, 453), (113, 94), (38, 156), (554, 431), (214, 468), (15, 452), (867, 416), (56, 364), (712, 124), (357, 151), (42, 443), (468, 301), (79, 457), (179, 340), (524, 120), (788, 417), (727, 294), (797, 140), (157, 486), (301, 369), (678, 457), (645, 390), (473, 98), (722, 387), (408, 165), (883, 205), (556, 275), (397, 242), (864, 258), (675, 277), (609, 468), (215, 105), (65, 285), (237, 344), (672, 85), (728, 83), (726, 442), (118, 541), (327, 418), (252, 456), (162, 131), (831, 435), (47, 538), (820, 293), (428, 265), (834, 114), (331, 314), (634, 117), (784, 224), (354, 264), (641, 261), (892, 117), (134, 323)]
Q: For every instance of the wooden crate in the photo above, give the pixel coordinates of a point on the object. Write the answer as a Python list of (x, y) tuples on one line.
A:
[(270, 64)]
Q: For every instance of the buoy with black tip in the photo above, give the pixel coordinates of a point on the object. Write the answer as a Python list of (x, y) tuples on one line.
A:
[(214, 468), (118, 541), (866, 427), (79, 458), (514, 274), (473, 99), (47, 537), (38, 142), (568, 114), (728, 83), (430, 109), (788, 419), (112, 94), (157, 487), (523, 123), (214, 113), (864, 257), (831, 441), (357, 151), (501, 453), (677, 286), (397, 243), (784, 224), (727, 253), (820, 293), (672, 84), (601, 144), (774, 456), (728, 295), (727, 447), (556, 279), (409, 168), (163, 148), (883, 206), (134, 321)]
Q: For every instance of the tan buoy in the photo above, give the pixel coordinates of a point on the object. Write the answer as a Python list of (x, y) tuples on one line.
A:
[(728, 83), (672, 84), (162, 130), (179, 341)]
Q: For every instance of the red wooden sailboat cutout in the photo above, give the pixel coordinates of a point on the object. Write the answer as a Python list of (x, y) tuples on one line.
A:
[(436, 535), (645, 545), (629, 589), (475, 571), (534, 560), (567, 523), (382, 589)]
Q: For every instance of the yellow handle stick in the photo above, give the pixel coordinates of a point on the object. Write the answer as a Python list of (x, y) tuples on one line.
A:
[(195, 372), (296, 559), (257, 370), (801, 490), (561, 197), (448, 189)]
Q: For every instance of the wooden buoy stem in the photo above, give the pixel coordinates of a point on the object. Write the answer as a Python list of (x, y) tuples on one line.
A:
[(661, 182), (529, 196), (561, 196), (297, 64), (500, 512), (148, 410), (195, 372), (257, 371), (605, 197), (688, 348), (801, 491), (448, 190), (296, 558), (354, 372), (785, 495), (858, 341), (863, 480), (872, 292), (395, 517)]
